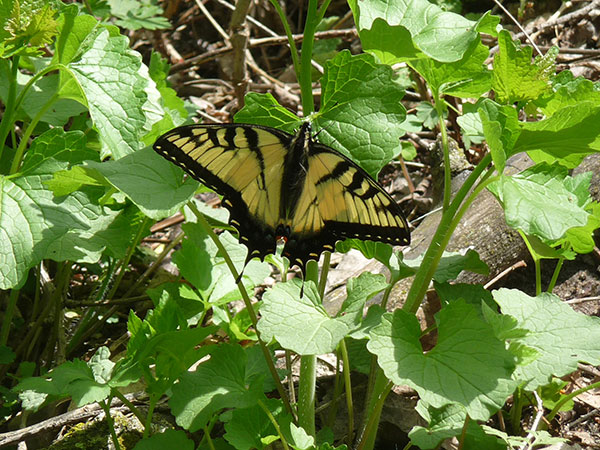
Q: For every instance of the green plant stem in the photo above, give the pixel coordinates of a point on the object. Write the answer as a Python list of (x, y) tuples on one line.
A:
[(324, 272), (290, 376), (90, 313), (371, 416), (559, 264), (209, 441), (275, 424), (10, 106), (105, 404), (136, 412), (449, 222), (8, 315), (322, 11), (130, 251), (386, 295), (307, 380), (436, 248), (536, 263), (290, 37), (439, 108), (516, 411), (568, 397), (13, 105), (337, 390), (367, 439), (463, 433), (348, 387), (374, 368), (267, 355), (306, 393), (155, 264), (305, 80), (18, 158), (148, 424)]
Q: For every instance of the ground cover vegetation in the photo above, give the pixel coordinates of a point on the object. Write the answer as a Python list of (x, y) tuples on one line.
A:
[(90, 316)]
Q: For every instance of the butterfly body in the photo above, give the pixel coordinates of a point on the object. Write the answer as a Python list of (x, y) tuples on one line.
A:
[(279, 186)]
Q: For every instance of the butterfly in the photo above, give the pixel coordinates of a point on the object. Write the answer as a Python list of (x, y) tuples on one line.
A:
[(285, 188)]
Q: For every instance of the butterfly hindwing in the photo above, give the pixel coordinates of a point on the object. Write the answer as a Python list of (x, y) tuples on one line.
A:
[(340, 201), (276, 185)]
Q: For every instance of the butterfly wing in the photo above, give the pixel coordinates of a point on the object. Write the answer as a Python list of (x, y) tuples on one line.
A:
[(339, 201), (278, 185), (243, 163)]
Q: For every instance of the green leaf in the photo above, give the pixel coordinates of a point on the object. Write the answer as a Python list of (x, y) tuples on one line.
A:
[(65, 182), (561, 336), (73, 378), (76, 32), (174, 107), (246, 428), (221, 382), (136, 14), (468, 366), (526, 197), (122, 100), (34, 225), (568, 91), (449, 421), (381, 251), (371, 320), (444, 423), (478, 437), (302, 325), (568, 136), (28, 26), (500, 125), (470, 125), (553, 392), (56, 150), (216, 444), (540, 437), (360, 358), (300, 439), (408, 152), (515, 77), (166, 439), (451, 265), (441, 35), (581, 239), (361, 113), (473, 294), (299, 323), (40, 98), (467, 77), (7, 355), (389, 44), (200, 263), (101, 365), (154, 184), (427, 115), (263, 109)]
